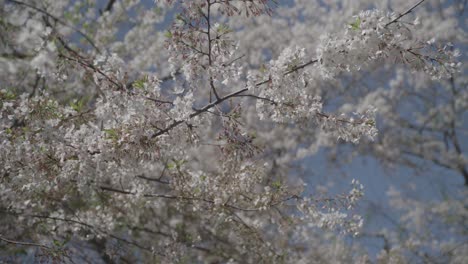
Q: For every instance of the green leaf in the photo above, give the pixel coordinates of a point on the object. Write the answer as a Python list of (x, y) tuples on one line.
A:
[(78, 105), (68, 16), (293, 64), (10, 96), (370, 122), (158, 10), (179, 163), (57, 243), (67, 239), (20, 251), (112, 134), (276, 184), (223, 29), (356, 25), (171, 165), (176, 164), (168, 34), (140, 84)]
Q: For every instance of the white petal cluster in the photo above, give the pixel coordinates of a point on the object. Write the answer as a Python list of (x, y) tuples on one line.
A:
[(372, 38), (290, 99), (187, 151)]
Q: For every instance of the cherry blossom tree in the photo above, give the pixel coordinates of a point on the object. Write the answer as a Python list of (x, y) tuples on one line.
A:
[(174, 131)]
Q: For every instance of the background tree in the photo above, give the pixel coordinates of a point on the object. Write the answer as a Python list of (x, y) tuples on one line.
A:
[(178, 131)]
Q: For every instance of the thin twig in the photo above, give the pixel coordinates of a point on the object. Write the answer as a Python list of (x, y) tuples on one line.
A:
[(294, 69), (59, 21), (153, 179), (258, 97), (187, 198), (198, 112), (89, 65), (98, 230), (405, 13), (24, 243), (109, 6), (207, 17)]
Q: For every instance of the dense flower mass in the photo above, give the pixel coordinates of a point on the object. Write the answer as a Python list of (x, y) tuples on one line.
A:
[(125, 139)]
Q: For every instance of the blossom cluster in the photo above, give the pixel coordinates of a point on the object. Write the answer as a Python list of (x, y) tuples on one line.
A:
[(167, 158)]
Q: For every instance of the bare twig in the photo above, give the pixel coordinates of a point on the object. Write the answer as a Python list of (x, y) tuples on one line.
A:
[(24, 243)]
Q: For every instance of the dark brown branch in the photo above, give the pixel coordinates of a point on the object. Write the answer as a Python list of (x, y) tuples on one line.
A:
[(82, 62), (24, 243), (208, 22), (109, 6), (16, 55), (89, 65), (294, 69), (222, 99), (192, 47), (234, 60), (158, 100), (405, 13), (186, 198), (198, 112), (152, 179), (258, 97), (85, 225)]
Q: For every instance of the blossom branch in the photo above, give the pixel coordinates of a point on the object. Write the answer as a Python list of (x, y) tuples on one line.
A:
[(95, 229), (405, 13), (198, 112), (59, 21), (200, 199), (89, 65), (294, 69), (222, 99)]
